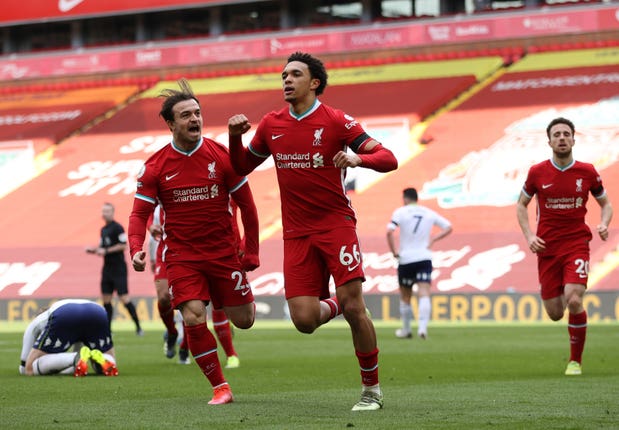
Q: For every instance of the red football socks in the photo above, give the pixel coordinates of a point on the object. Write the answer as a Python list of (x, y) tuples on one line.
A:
[(203, 347), (577, 328), (224, 334), (334, 306), (166, 312), (184, 344), (368, 362)]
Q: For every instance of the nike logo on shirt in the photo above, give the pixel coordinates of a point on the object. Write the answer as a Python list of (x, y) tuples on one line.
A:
[(67, 5), (168, 177), (276, 136), (544, 186)]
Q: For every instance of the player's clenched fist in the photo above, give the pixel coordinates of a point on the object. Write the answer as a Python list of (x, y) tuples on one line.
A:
[(238, 124), (139, 261), (603, 231), (343, 160)]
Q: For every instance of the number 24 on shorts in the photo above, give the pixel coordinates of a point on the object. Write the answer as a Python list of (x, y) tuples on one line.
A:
[(351, 259)]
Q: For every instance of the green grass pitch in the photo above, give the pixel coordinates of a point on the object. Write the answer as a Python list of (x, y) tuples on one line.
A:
[(463, 377)]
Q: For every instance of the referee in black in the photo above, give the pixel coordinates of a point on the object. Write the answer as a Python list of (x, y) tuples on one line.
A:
[(114, 272)]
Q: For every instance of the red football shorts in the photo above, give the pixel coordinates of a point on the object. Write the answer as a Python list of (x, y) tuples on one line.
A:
[(557, 270), (221, 282), (309, 262)]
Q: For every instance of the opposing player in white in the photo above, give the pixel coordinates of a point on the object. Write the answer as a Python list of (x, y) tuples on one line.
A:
[(53, 332), (415, 258)]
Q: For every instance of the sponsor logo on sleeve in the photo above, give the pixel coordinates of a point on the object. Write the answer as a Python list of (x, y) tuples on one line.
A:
[(351, 122)]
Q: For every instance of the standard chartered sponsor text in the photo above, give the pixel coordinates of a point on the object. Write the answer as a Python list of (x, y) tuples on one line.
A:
[(561, 203), (293, 161), (195, 193)]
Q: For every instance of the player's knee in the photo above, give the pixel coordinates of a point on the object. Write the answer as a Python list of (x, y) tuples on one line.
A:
[(304, 327), (574, 304), (555, 314), (164, 301), (353, 311), (192, 318), (244, 322), (305, 324)]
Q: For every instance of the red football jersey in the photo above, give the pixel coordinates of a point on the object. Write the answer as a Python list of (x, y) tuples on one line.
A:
[(562, 194), (193, 190), (311, 187)]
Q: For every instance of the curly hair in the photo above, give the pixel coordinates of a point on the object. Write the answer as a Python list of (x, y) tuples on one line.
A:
[(175, 96), (316, 68)]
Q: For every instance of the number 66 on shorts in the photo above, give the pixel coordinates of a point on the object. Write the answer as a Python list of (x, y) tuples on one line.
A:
[(305, 259)]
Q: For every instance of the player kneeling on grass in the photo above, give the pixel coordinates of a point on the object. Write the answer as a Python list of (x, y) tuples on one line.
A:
[(53, 332), (193, 181)]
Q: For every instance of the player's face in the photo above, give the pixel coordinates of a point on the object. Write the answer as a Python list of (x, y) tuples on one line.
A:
[(561, 140), (187, 124), (107, 213), (297, 82)]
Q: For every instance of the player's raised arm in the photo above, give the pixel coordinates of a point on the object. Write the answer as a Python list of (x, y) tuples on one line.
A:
[(249, 217), (242, 159), (370, 154)]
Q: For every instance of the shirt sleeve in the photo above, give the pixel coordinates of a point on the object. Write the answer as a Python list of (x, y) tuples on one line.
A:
[(258, 145), (145, 199), (441, 221), (350, 131), (232, 180), (395, 221), (31, 334), (121, 236), (597, 187), (147, 185), (530, 188)]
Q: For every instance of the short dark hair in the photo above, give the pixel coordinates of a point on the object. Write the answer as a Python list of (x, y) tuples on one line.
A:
[(175, 96), (316, 68), (410, 193), (560, 120)]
